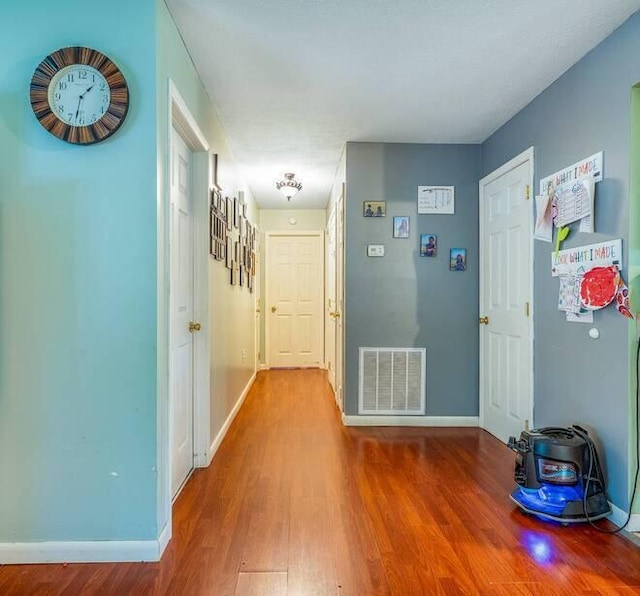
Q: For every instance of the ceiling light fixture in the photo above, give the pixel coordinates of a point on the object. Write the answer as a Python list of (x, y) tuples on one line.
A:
[(288, 186)]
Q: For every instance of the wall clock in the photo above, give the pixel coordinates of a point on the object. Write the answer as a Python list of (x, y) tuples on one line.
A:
[(79, 95)]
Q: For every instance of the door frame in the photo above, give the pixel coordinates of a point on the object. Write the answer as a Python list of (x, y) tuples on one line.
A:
[(179, 116), (340, 299), (524, 157), (267, 238), (330, 326)]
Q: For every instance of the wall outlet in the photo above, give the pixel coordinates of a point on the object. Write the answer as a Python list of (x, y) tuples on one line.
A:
[(244, 354)]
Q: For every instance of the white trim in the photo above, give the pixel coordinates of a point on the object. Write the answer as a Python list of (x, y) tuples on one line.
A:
[(179, 114), (201, 347), (263, 366), (99, 551), (524, 157), (267, 236), (634, 522), (163, 540), (466, 421), (225, 427), (619, 517)]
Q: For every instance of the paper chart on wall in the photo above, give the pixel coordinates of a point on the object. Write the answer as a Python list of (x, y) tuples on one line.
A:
[(436, 199), (569, 294), (573, 201), (587, 223)]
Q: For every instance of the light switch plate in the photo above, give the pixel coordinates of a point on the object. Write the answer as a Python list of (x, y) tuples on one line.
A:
[(375, 250)]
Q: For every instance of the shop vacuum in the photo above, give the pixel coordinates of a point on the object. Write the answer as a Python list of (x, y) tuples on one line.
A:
[(559, 475)]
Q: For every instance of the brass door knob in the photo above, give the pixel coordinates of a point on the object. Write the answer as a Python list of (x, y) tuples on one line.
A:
[(194, 326), (483, 320), (273, 309), (336, 315)]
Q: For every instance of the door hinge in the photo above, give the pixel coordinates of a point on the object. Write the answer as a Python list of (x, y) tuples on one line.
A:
[(527, 192), (526, 309)]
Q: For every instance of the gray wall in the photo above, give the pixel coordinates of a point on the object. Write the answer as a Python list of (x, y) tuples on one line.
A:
[(402, 299), (579, 380)]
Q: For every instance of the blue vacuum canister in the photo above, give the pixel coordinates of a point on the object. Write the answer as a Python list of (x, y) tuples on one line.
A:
[(559, 476)]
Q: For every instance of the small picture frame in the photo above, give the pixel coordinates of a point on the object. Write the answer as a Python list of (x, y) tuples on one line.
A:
[(229, 253), (236, 212), (428, 245), (229, 209), (458, 259), (401, 226), (374, 209)]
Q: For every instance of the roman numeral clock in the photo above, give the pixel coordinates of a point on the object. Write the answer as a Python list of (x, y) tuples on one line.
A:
[(79, 95)]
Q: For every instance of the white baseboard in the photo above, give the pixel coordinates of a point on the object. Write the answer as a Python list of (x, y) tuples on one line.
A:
[(163, 540), (619, 517), (634, 523), (410, 420), (225, 427), (263, 366), (117, 551)]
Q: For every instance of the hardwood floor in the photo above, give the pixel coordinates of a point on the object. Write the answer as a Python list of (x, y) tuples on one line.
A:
[(296, 504)]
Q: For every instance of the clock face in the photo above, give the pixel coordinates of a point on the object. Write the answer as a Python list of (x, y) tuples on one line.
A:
[(79, 95)]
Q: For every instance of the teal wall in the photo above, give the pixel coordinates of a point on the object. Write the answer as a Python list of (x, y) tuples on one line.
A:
[(78, 290), (230, 320)]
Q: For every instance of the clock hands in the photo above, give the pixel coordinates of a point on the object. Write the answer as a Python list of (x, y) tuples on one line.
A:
[(80, 99), (78, 108)]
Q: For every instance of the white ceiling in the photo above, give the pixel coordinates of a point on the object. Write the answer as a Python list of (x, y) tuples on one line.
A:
[(293, 80)]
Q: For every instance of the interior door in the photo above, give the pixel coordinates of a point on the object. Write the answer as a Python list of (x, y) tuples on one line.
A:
[(181, 309), (506, 219), (295, 294), (330, 301)]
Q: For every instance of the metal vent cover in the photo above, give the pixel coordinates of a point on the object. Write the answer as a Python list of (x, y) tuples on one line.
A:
[(392, 381)]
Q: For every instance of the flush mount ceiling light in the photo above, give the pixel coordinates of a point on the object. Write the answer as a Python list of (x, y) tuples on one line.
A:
[(288, 186)]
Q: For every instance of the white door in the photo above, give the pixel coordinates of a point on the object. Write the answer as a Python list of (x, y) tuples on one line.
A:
[(506, 366), (181, 309), (258, 309), (330, 301), (339, 311), (294, 289)]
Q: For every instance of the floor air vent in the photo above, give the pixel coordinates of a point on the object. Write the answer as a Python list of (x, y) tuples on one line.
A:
[(392, 381)]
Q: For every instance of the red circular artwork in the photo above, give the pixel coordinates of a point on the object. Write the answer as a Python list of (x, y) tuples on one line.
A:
[(599, 286)]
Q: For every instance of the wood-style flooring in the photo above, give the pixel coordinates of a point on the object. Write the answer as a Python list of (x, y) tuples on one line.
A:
[(296, 504)]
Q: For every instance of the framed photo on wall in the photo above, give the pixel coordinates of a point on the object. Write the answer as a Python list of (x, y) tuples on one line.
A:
[(428, 245), (374, 209), (401, 226), (458, 259)]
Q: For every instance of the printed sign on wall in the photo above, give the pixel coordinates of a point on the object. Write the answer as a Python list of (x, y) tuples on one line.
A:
[(590, 166)]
